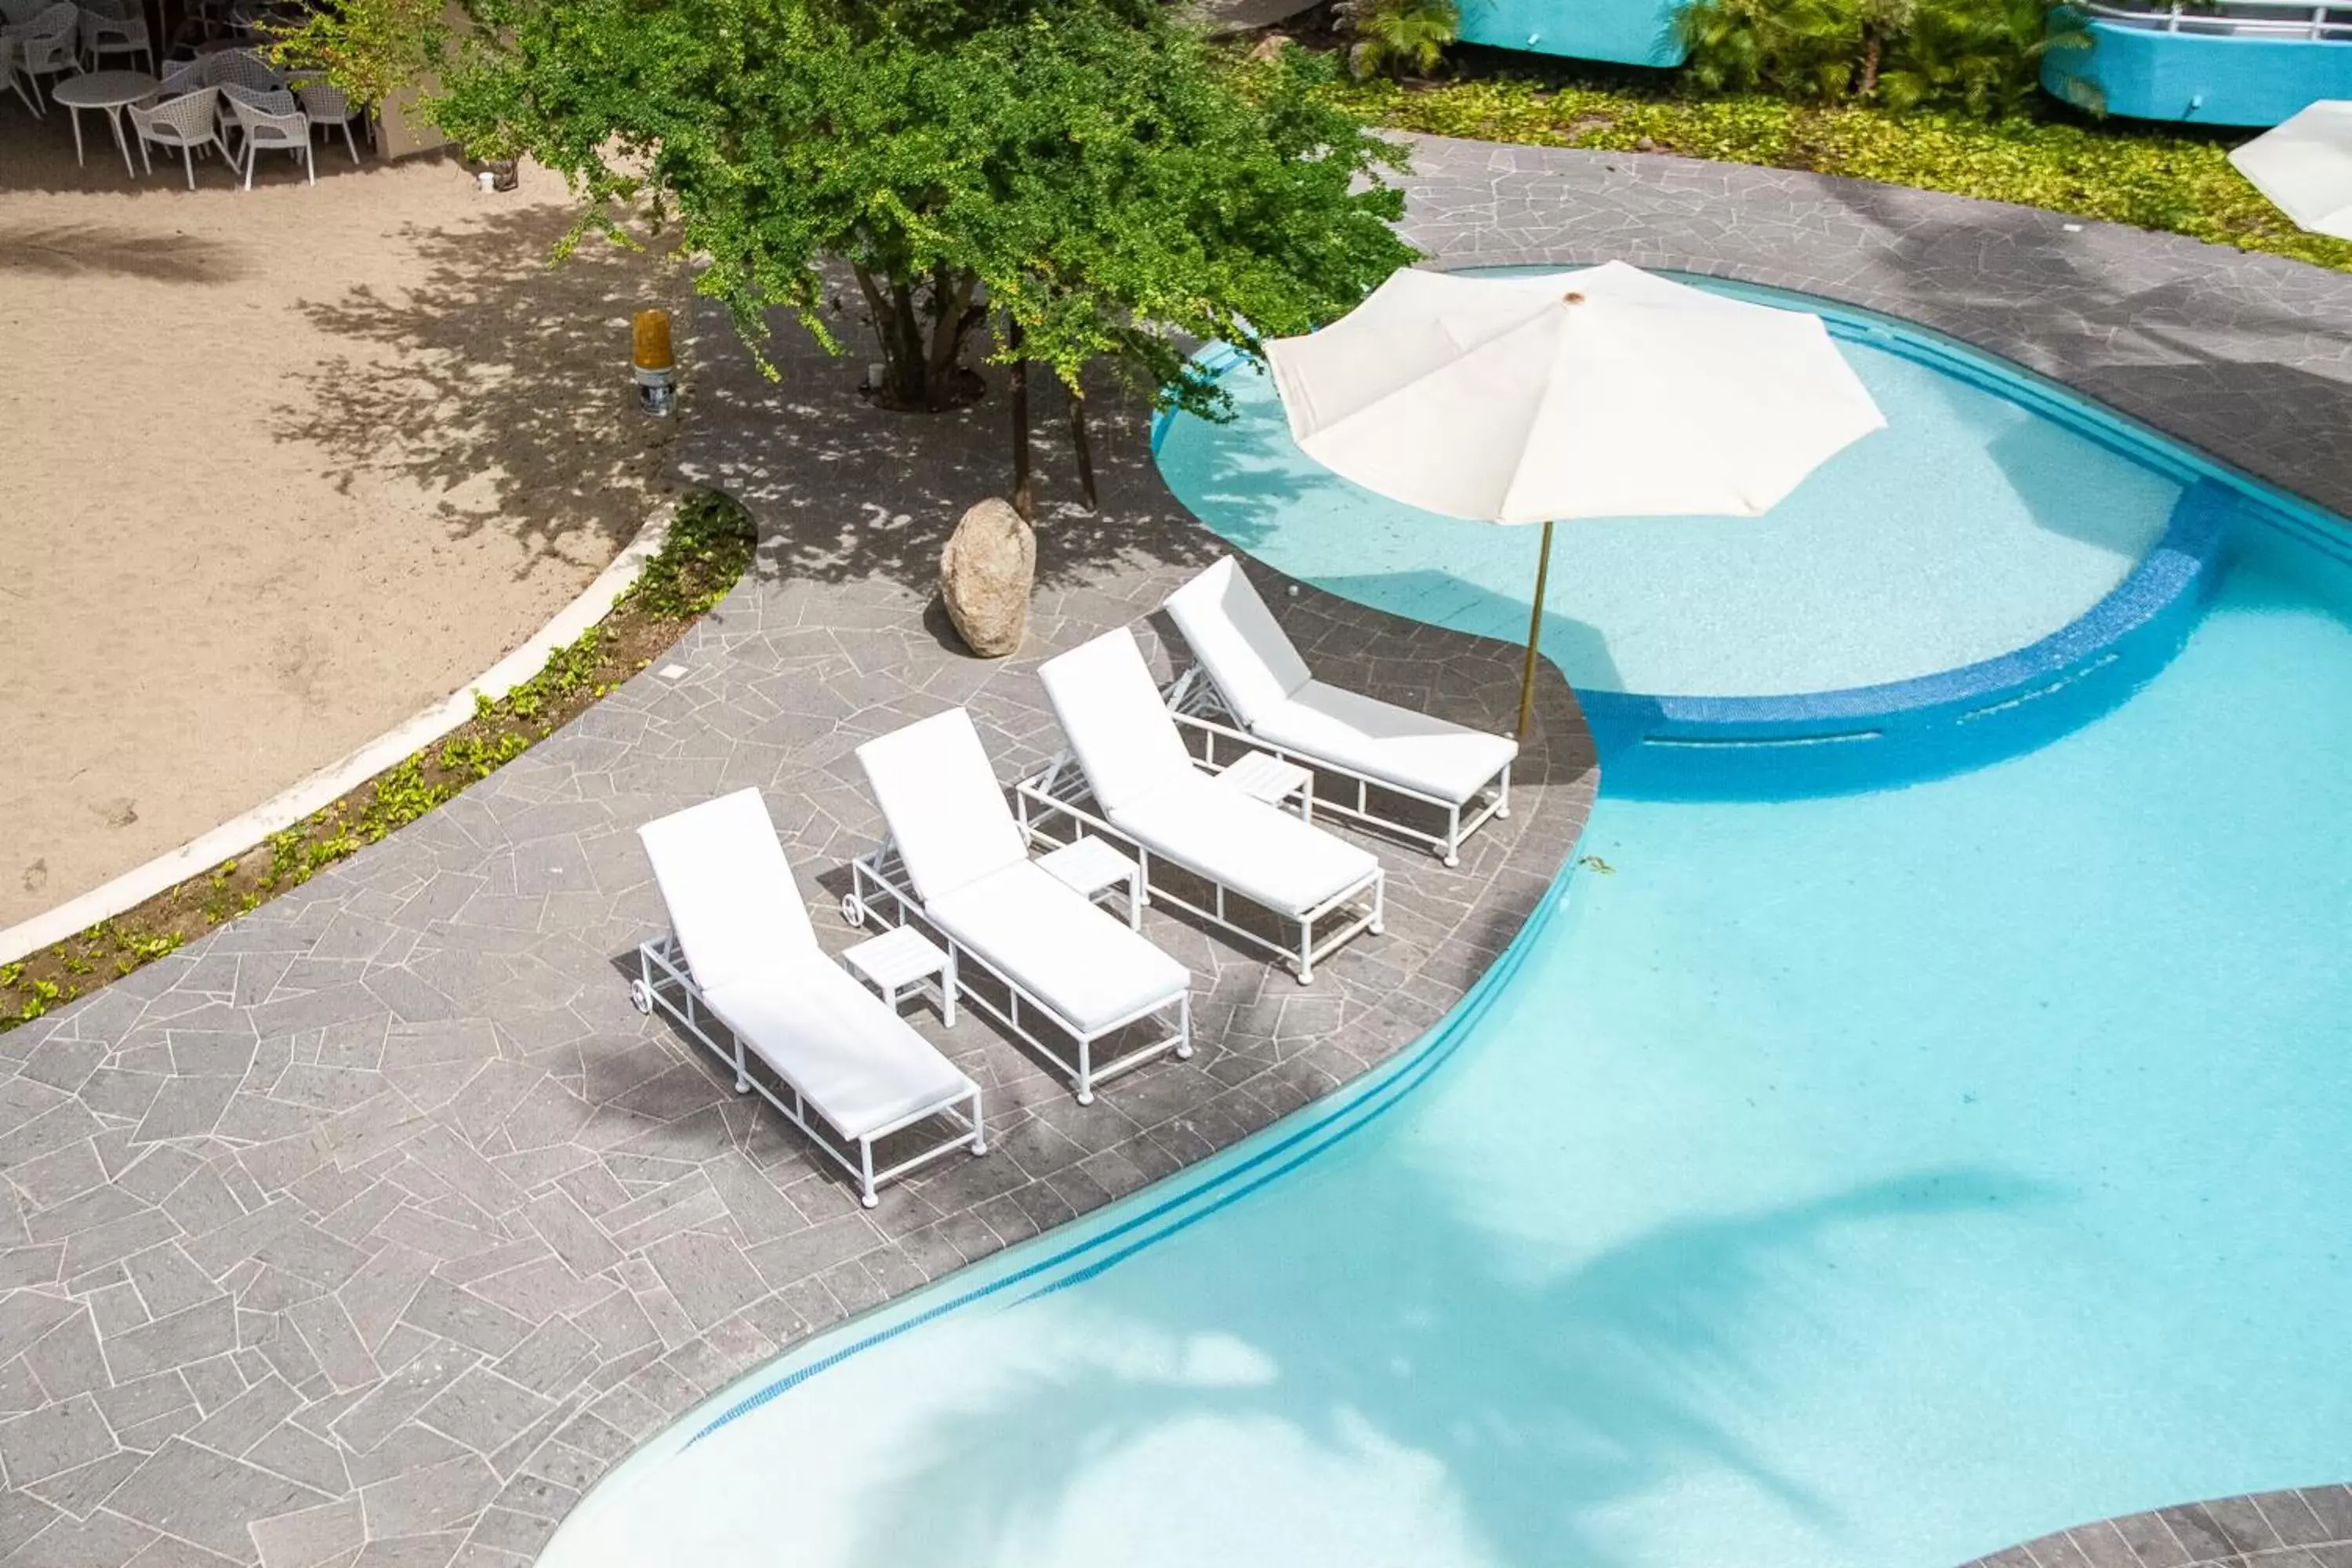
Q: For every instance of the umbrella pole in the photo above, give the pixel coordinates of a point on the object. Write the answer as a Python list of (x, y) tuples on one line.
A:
[(1535, 633)]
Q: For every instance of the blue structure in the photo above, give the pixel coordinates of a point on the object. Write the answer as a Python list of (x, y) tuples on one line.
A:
[(2245, 62), (1629, 32)]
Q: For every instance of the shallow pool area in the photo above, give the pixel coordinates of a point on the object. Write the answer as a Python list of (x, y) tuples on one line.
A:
[(1873, 1180), (1983, 518)]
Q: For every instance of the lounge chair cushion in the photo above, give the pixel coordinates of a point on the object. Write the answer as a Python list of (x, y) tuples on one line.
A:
[(1119, 727), (1393, 744), (1260, 852), (946, 811), (1237, 640), (732, 902), (1074, 955), (854, 1061)]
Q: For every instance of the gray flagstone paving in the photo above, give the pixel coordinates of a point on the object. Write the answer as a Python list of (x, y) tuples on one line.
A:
[(376, 1227)]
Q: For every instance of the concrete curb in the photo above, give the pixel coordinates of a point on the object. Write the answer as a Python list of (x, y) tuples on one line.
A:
[(283, 810)]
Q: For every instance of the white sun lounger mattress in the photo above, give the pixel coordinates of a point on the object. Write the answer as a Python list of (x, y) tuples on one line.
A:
[(1392, 744), (857, 1064), (1070, 953)]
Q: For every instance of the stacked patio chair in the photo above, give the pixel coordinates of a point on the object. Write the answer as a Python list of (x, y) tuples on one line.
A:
[(241, 67), (45, 45), (114, 28), (190, 121)]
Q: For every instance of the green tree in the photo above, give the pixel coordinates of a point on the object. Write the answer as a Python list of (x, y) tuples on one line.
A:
[(1085, 166)]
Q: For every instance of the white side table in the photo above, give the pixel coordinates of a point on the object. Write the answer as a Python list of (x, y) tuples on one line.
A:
[(902, 960), (1270, 779), (1092, 867)]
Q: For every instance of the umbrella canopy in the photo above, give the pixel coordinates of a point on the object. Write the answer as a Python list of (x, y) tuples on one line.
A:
[(2305, 166), (1604, 393)]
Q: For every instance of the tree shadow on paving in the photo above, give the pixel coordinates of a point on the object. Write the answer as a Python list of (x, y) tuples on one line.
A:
[(849, 492), (80, 249), (499, 384)]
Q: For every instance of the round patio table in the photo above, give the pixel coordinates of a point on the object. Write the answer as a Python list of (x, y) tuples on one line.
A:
[(110, 93)]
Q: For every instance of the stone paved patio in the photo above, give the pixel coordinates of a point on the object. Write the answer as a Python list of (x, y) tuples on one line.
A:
[(375, 1227), (2310, 1528)]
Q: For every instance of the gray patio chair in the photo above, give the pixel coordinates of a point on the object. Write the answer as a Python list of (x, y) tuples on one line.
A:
[(326, 104), (114, 28), (190, 121), (45, 45), (267, 121), (241, 67)]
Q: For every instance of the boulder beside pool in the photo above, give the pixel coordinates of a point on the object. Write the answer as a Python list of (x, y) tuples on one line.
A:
[(985, 574)]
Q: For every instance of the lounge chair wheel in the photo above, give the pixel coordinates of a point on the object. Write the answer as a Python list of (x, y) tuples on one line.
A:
[(1086, 1096), (1453, 861), (1184, 1052), (641, 996), (1377, 927), (1502, 812), (853, 911), (981, 1147), (870, 1201)]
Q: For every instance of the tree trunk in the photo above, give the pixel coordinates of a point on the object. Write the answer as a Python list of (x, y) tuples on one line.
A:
[(1082, 446), (1873, 46), (1024, 500), (922, 371)]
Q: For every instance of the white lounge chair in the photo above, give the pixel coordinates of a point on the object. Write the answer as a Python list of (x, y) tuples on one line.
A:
[(1128, 762), (742, 951), (956, 856), (1248, 671)]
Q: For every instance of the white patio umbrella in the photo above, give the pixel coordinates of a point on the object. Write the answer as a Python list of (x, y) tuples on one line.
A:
[(2303, 165), (1604, 393)]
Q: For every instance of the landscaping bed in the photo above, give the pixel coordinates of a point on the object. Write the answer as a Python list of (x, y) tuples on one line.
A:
[(2113, 170), (709, 547)]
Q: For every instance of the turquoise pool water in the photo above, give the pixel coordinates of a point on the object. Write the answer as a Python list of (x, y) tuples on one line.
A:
[(1857, 1182), (1981, 520)]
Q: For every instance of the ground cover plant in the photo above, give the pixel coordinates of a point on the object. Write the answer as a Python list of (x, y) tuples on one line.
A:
[(709, 547)]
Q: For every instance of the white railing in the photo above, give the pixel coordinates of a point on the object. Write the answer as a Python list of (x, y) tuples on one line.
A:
[(2329, 23)]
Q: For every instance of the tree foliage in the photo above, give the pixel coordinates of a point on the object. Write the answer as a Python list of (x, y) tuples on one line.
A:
[(1084, 165)]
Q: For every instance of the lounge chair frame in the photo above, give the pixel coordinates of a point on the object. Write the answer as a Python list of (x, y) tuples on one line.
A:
[(663, 982), (1061, 791), (881, 889), (1200, 708)]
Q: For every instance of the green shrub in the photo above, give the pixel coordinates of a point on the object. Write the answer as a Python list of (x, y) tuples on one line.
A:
[(1398, 38)]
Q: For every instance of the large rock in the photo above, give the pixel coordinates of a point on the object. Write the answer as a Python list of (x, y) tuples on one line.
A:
[(985, 574)]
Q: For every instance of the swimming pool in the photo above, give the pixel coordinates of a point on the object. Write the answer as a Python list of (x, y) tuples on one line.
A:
[(1872, 1180)]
